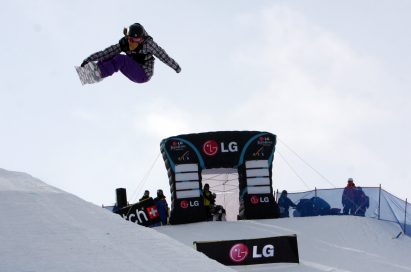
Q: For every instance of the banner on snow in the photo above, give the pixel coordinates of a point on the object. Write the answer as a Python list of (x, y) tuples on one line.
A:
[(144, 213), (282, 249)]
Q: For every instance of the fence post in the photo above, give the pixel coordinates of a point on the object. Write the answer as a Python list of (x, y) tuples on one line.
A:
[(276, 196), (315, 192), (405, 216), (379, 203)]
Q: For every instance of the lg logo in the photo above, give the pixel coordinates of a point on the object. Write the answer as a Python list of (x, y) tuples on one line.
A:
[(210, 148), (255, 199), (267, 251), (239, 252), (186, 204)]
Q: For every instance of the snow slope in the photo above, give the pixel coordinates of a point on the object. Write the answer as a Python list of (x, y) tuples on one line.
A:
[(45, 229), (326, 243)]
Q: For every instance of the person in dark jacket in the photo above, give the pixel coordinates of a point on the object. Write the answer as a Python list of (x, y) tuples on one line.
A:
[(145, 196), (347, 199), (162, 206), (320, 206), (208, 201), (362, 202), (137, 62), (285, 203)]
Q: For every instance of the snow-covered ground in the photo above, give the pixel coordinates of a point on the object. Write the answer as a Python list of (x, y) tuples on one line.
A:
[(45, 229)]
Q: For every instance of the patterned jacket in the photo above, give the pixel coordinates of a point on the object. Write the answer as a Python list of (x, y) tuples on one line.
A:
[(143, 54)]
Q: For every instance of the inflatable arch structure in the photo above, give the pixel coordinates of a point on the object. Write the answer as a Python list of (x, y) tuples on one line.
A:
[(250, 152)]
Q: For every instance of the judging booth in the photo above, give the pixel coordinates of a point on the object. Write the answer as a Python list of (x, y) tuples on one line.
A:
[(249, 153)]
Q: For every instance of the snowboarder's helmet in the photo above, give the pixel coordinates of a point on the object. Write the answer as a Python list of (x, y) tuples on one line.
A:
[(136, 30)]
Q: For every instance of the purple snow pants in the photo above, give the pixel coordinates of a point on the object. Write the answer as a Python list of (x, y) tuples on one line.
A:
[(131, 69)]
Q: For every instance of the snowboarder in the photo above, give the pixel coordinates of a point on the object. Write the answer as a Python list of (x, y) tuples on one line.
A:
[(137, 64)]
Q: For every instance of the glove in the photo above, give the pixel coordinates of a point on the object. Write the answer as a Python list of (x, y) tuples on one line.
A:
[(178, 70), (83, 63)]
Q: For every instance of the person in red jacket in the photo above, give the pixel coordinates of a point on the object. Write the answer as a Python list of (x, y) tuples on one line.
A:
[(348, 197)]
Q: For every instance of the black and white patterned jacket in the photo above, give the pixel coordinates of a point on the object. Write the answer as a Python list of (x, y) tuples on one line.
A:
[(143, 54)]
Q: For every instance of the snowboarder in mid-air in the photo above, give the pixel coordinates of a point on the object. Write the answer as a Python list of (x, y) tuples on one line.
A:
[(137, 64)]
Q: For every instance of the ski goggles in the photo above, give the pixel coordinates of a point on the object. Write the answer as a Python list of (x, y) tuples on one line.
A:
[(135, 39)]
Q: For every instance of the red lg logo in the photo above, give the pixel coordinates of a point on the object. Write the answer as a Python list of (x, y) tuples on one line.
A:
[(238, 252), (184, 204), (210, 148), (254, 200)]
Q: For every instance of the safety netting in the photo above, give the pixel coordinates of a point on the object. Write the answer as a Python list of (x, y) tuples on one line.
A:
[(382, 205)]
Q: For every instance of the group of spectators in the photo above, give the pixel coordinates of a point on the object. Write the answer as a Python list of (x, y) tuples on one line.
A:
[(354, 202), (213, 211), (161, 203)]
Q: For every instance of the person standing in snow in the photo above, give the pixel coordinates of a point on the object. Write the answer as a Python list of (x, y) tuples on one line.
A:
[(362, 202), (145, 196), (162, 206), (137, 64), (285, 203), (209, 201), (348, 196)]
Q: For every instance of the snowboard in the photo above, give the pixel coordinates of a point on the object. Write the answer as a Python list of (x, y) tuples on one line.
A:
[(87, 74)]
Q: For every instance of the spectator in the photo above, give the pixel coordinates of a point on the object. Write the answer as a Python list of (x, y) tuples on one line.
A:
[(145, 196), (285, 203), (348, 195), (362, 202), (162, 206), (320, 206), (209, 201)]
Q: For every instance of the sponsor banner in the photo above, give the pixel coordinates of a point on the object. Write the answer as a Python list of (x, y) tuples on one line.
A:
[(187, 210), (144, 213), (224, 149), (249, 152), (282, 249)]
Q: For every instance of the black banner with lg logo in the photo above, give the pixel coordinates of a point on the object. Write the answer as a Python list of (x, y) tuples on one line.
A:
[(282, 249)]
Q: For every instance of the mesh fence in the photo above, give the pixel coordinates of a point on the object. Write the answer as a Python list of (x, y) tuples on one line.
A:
[(382, 205)]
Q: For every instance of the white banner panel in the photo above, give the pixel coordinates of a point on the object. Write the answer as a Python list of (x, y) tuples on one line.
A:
[(257, 172), (258, 190), (187, 176), (256, 164), (184, 185), (188, 167), (188, 194), (258, 181)]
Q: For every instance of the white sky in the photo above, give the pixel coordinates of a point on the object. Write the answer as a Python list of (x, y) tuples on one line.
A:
[(330, 79)]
